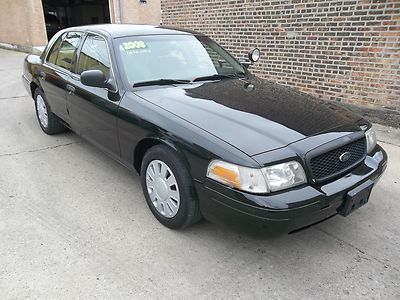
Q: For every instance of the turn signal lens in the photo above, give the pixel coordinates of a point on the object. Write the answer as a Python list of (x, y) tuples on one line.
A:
[(242, 178), (225, 174), (370, 135)]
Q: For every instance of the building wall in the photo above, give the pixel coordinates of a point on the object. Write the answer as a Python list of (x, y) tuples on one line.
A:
[(22, 23), (346, 50), (136, 12)]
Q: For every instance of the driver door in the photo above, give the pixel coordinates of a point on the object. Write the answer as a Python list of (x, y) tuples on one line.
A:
[(93, 111)]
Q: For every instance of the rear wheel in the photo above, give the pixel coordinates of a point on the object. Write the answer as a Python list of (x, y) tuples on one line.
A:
[(168, 188), (49, 122)]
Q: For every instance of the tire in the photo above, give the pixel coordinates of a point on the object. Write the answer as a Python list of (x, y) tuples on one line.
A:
[(48, 121), (156, 193)]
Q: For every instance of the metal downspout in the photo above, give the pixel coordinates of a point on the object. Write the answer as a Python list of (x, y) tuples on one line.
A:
[(121, 11)]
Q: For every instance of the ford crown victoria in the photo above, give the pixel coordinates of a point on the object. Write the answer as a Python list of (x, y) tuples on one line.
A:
[(209, 139)]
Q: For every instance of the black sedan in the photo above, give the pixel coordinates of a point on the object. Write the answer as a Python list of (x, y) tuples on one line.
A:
[(207, 137)]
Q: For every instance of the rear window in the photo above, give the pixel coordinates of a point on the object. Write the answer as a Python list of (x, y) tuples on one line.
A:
[(67, 50), (51, 58)]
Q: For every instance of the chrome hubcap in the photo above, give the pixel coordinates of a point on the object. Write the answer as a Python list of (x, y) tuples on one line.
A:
[(162, 188), (42, 111)]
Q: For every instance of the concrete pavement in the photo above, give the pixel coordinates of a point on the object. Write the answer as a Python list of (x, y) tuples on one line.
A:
[(74, 224)]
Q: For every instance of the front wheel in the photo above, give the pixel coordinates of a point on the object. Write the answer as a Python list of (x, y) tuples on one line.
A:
[(168, 188), (48, 121)]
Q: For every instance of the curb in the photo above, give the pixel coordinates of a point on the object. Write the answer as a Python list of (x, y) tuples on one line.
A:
[(27, 49)]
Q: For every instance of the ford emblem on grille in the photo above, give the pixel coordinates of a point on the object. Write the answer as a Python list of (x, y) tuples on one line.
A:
[(345, 156)]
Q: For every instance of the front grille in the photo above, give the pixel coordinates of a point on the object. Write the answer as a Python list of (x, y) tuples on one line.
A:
[(328, 164)]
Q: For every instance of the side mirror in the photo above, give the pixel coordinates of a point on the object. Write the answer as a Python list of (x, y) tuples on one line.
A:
[(253, 56), (96, 78)]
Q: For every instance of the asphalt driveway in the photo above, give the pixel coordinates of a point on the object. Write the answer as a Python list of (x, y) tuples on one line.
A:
[(74, 224)]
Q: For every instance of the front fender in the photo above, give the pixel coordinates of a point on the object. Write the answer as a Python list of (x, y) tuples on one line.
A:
[(148, 142), (143, 124), (30, 68)]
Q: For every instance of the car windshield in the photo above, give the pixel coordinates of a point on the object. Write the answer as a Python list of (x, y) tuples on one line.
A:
[(170, 59)]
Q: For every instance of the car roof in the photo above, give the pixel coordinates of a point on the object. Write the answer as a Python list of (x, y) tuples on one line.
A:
[(121, 30)]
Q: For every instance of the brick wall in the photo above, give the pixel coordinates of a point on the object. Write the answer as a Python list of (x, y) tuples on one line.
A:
[(346, 50)]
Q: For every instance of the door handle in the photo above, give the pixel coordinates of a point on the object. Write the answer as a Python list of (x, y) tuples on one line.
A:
[(42, 75), (70, 89)]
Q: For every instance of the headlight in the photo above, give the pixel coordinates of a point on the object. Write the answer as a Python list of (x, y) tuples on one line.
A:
[(242, 178), (258, 181), (370, 135), (284, 175)]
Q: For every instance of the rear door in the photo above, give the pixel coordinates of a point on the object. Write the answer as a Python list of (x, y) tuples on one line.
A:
[(56, 70), (93, 111)]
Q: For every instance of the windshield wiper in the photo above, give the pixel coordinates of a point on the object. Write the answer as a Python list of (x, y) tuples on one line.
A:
[(160, 82), (176, 81), (218, 76)]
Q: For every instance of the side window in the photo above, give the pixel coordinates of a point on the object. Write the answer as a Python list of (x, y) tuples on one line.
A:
[(51, 58), (94, 55), (219, 63), (67, 50)]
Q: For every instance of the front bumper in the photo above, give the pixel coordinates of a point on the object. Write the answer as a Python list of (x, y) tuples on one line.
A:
[(286, 211)]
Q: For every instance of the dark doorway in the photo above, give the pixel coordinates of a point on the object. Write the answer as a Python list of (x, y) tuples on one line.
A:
[(61, 14)]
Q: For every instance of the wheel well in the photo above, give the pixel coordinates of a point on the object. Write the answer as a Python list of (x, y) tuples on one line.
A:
[(140, 150), (34, 86)]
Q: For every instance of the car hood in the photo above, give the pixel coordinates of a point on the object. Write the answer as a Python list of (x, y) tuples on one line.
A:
[(254, 116)]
